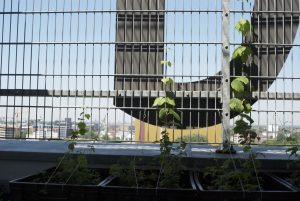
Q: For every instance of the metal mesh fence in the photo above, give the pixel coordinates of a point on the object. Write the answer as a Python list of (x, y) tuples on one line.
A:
[(58, 57)]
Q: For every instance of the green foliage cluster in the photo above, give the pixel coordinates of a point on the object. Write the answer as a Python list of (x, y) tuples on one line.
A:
[(227, 176), (73, 170), (128, 175), (171, 172)]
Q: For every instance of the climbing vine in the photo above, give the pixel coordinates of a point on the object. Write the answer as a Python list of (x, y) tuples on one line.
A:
[(239, 174), (240, 103), (167, 113), (168, 116)]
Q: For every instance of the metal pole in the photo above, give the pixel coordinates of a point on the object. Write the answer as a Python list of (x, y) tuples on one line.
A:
[(226, 74)]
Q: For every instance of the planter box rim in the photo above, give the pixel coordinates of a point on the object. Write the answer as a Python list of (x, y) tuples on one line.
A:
[(19, 180), (108, 180), (200, 187)]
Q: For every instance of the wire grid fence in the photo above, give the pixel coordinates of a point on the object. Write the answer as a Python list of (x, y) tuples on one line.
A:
[(59, 57)]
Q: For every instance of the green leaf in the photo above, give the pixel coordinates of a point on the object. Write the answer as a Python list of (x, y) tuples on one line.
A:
[(168, 112), (81, 125), (247, 106), (237, 85), (71, 146), (243, 26), (242, 52), (236, 105), (74, 134), (159, 101), (247, 149), (87, 116), (167, 80), (253, 134), (162, 113), (293, 151), (247, 117), (174, 114), (241, 127), (170, 101), (243, 79), (82, 131), (168, 63)]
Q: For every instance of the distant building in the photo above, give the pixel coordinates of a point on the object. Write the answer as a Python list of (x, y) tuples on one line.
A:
[(271, 132), (124, 136)]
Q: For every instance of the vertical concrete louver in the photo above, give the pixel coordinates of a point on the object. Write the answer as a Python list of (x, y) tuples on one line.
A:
[(139, 52)]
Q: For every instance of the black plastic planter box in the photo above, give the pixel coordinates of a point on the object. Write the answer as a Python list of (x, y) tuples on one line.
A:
[(24, 189), (111, 191), (285, 177), (272, 190)]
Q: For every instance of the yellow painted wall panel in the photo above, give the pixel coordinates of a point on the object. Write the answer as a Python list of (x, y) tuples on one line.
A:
[(149, 133)]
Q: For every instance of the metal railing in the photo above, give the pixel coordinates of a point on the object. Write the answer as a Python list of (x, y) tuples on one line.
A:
[(60, 56)]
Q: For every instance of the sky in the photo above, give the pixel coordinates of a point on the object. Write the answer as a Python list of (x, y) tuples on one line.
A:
[(61, 60)]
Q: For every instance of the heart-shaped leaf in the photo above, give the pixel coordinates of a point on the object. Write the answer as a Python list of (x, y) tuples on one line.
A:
[(243, 26), (167, 80)]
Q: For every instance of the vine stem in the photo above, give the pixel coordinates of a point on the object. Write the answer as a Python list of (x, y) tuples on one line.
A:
[(233, 162), (56, 168), (256, 174), (158, 179), (135, 175)]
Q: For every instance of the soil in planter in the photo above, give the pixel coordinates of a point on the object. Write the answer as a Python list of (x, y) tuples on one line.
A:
[(230, 181), (3, 196), (66, 183), (226, 176), (119, 191), (148, 179), (72, 170), (294, 174), (170, 176), (145, 179), (266, 183)]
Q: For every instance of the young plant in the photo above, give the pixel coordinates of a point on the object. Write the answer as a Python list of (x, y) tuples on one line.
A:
[(168, 116), (73, 169), (240, 103), (169, 174)]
